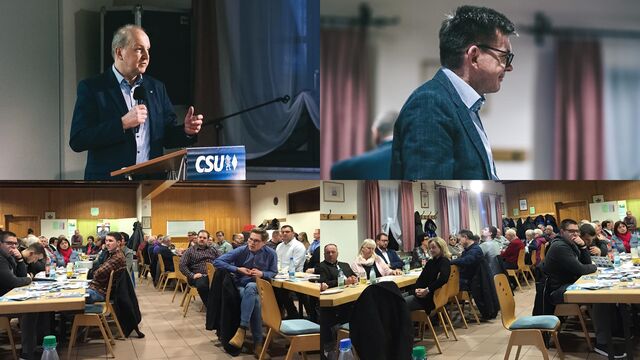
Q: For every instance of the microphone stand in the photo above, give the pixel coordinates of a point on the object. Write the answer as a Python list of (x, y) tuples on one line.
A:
[(217, 122)]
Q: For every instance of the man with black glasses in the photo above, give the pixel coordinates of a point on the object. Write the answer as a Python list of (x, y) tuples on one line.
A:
[(13, 269), (438, 134)]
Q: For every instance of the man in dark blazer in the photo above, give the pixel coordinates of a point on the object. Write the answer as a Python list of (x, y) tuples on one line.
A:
[(389, 256), (374, 164), (109, 124), (438, 134)]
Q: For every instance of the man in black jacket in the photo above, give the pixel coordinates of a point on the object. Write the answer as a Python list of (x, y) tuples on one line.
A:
[(330, 317), (470, 258), (13, 270), (389, 256), (566, 261)]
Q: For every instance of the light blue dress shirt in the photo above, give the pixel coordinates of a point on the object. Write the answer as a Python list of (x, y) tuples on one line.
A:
[(473, 101), (142, 135)]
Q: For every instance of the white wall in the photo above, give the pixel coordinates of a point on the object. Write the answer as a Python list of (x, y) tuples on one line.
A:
[(262, 205), (520, 115), (29, 89)]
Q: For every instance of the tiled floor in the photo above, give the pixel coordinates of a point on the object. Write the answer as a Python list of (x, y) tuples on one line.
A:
[(170, 336)]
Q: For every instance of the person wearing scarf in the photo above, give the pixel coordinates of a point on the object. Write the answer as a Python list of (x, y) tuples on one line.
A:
[(623, 239), (65, 254), (367, 260)]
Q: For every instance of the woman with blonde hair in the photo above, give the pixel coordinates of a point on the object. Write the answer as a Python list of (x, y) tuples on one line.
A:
[(367, 260), (433, 276)]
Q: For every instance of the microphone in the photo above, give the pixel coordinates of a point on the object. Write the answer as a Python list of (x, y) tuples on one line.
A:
[(140, 96)]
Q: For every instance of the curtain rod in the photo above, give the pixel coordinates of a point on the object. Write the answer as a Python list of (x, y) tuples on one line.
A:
[(364, 19), (542, 27)]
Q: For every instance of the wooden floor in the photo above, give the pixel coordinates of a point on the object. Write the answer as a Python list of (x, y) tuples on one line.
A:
[(170, 336)]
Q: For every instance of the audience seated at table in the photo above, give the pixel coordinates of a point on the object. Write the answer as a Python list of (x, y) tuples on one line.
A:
[(13, 270), (596, 243), (455, 249), (114, 260), (289, 248), (389, 256), (193, 264), (566, 260), (35, 257), (623, 239), (607, 228), (332, 317), (91, 247), (250, 262), (65, 254), (367, 260), (420, 254), (433, 276), (469, 260)]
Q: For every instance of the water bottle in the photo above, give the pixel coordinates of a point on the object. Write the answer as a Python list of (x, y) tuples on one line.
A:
[(49, 345), (345, 350), (292, 269), (372, 276), (406, 267), (340, 279), (616, 258), (419, 353), (52, 270)]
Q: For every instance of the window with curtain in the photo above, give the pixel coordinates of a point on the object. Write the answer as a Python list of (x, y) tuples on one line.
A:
[(390, 209), (488, 210), (453, 210)]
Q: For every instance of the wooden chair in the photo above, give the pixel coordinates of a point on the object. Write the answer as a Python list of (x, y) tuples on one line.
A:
[(515, 272), (6, 325), (526, 330), (440, 298), (524, 268), (144, 270), (574, 310), (465, 297), (181, 279), (165, 275), (543, 250), (534, 258), (95, 315), (307, 333), (454, 289)]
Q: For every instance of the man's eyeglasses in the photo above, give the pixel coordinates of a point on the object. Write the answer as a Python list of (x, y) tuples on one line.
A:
[(11, 243), (507, 55)]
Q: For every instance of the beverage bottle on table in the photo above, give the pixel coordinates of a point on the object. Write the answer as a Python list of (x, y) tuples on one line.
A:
[(69, 270), (406, 266), (419, 353), (372, 275), (49, 346), (616, 257), (345, 350), (340, 279), (52, 269), (292, 269)]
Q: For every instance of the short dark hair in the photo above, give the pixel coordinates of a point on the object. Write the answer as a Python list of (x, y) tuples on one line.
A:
[(494, 231), (615, 226), (5, 234), (287, 226), (90, 237), (467, 233), (115, 235), (219, 232), (125, 236), (332, 244), (52, 240), (379, 235), (37, 248), (587, 229), (262, 232), (605, 223), (566, 222), (470, 25), (204, 231)]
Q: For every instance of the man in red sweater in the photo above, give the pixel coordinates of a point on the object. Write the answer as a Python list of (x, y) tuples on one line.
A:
[(510, 254)]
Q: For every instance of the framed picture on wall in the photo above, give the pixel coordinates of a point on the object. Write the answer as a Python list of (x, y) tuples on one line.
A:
[(423, 186), (146, 222), (333, 191), (523, 205), (424, 199), (598, 198)]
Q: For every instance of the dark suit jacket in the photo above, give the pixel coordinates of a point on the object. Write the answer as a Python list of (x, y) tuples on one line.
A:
[(435, 138), (372, 165), (97, 125), (394, 260), (329, 272)]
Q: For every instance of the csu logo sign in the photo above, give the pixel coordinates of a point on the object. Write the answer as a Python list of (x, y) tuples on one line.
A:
[(216, 163)]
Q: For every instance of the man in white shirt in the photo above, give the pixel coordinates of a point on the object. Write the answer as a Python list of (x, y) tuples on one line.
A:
[(288, 248)]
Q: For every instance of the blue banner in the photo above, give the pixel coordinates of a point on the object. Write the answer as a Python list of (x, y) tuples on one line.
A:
[(216, 163)]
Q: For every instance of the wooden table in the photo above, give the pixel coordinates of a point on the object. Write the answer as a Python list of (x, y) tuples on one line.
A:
[(44, 303), (303, 286), (617, 294), (353, 293)]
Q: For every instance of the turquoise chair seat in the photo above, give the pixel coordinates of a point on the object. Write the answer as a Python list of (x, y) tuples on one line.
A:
[(298, 327), (93, 308), (544, 322)]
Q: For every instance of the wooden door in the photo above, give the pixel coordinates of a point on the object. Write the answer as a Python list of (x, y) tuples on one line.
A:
[(21, 223), (576, 210)]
